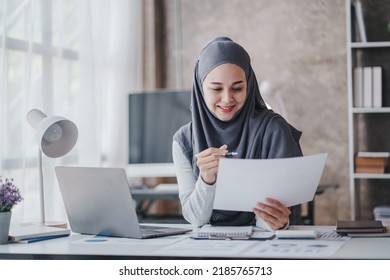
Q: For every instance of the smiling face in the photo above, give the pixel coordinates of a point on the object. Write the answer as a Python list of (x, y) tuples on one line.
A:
[(224, 90)]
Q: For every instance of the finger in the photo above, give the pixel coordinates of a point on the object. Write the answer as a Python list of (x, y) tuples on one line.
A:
[(277, 204), (274, 212), (214, 152), (223, 147), (206, 164), (207, 167), (209, 161), (273, 208), (270, 209), (273, 222)]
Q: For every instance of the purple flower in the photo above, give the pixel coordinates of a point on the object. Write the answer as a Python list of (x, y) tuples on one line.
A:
[(9, 195)]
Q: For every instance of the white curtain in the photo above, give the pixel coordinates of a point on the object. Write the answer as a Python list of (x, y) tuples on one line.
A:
[(73, 58)]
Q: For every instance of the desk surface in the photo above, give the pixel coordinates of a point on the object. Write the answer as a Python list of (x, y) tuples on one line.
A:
[(75, 247)]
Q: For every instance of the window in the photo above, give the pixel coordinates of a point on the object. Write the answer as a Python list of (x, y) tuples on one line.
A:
[(64, 58)]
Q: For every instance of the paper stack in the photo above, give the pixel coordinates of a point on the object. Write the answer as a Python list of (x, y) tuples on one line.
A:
[(382, 213), (224, 232)]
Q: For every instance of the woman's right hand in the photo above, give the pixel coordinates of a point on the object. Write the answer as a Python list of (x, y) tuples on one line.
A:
[(207, 162)]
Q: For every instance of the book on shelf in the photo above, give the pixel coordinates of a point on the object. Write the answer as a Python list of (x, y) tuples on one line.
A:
[(373, 154), (377, 86), (362, 226), (367, 87), (370, 169), (224, 232), (360, 21), (371, 161), (358, 87), (35, 233)]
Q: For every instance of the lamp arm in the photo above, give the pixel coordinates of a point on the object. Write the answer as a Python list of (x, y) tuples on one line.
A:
[(41, 190)]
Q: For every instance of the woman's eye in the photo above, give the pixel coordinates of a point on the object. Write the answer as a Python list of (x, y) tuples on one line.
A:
[(216, 89), (236, 89)]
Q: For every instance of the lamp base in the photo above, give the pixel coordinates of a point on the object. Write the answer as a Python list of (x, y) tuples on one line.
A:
[(58, 224)]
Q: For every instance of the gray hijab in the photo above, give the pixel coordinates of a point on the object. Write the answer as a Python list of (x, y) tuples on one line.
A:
[(239, 133), (245, 133)]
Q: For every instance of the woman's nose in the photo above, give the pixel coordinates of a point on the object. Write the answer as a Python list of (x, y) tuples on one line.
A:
[(226, 96)]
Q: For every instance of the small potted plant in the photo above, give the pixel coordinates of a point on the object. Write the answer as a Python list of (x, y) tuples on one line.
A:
[(9, 197)]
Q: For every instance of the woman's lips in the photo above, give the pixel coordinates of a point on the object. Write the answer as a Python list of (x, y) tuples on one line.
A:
[(226, 109)]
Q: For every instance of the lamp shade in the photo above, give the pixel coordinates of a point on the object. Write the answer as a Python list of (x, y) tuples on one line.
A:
[(56, 135)]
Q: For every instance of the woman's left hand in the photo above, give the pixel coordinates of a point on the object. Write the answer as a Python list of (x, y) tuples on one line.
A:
[(274, 213)]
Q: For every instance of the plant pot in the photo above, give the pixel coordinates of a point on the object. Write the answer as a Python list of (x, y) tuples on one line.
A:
[(5, 220)]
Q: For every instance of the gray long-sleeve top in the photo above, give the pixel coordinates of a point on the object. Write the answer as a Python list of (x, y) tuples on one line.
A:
[(196, 196)]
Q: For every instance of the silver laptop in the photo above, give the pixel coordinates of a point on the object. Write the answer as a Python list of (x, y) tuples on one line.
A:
[(98, 201)]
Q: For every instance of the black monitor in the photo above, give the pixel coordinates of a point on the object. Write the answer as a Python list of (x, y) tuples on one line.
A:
[(153, 119)]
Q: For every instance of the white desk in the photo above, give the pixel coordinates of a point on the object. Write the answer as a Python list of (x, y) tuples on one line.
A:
[(72, 248)]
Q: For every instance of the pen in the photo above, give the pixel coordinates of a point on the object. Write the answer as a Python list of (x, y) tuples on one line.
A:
[(231, 154), (226, 155)]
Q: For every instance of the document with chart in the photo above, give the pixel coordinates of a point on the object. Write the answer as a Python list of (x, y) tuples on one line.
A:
[(243, 182)]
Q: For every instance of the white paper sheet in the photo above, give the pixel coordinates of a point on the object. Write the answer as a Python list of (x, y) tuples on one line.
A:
[(166, 240), (296, 248), (243, 182), (191, 247)]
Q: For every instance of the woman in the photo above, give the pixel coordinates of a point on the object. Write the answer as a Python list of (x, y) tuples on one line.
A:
[(228, 114)]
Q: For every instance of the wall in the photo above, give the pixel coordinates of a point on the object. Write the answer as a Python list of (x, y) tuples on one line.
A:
[(299, 46)]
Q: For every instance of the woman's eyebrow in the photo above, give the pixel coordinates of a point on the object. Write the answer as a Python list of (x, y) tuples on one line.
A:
[(234, 83)]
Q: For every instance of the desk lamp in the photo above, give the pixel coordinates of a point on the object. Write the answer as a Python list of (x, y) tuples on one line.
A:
[(56, 136)]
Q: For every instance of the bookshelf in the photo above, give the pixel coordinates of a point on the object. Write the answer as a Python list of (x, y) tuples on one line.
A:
[(367, 125)]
